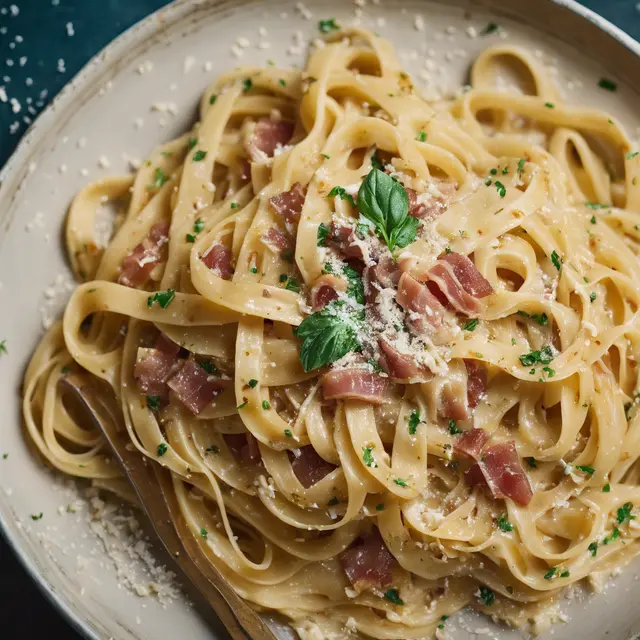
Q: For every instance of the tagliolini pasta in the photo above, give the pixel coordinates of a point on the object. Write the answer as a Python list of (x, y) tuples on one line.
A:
[(387, 348)]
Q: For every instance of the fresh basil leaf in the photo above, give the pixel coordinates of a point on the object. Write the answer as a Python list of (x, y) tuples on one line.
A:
[(405, 234)]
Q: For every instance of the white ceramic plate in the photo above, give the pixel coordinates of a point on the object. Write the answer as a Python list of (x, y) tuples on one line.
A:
[(106, 112)]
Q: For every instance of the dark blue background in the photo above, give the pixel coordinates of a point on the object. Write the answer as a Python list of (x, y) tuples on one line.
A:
[(41, 27)]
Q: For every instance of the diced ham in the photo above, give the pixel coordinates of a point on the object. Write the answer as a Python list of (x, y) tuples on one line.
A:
[(218, 259), (244, 447), (289, 204), (368, 563), (154, 366), (308, 466), (471, 443), (476, 382), (138, 265), (277, 240), (267, 136), (325, 289), (399, 366), (194, 387), (354, 384), (417, 299), (458, 279), (500, 470)]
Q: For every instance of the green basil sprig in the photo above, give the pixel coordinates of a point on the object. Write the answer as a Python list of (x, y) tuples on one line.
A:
[(384, 201)]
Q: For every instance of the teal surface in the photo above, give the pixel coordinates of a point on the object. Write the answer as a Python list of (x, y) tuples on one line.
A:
[(38, 56)]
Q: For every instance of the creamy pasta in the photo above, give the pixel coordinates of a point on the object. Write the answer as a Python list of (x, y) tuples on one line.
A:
[(386, 347)]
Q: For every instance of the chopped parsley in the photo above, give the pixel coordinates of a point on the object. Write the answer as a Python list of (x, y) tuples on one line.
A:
[(585, 469), (593, 548), (203, 533), (242, 405), (254, 270), (324, 155), (593, 219), (531, 461), (400, 482), (606, 488), (212, 449), (234, 205), (37, 516), (162, 449), (453, 427), (487, 596), (5, 456), (153, 402), (287, 432), (282, 83), (615, 534), (550, 574), (265, 405), (414, 421), (624, 513), (596, 205), (392, 595), (502, 190), (192, 143), (471, 325), (557, 260), (253, 383), (199, 155), (159, 178), (549, 105), (367, 457), (327, 26), (504, 524), (292, 285), (544, 356), (198, 226), (3, 347), (549, 371), (247, 83), (422, 136), (492, 27), (355, 286), (609, 85), (340, 191), (213, 98), (379, 507), (631, 154), (521, 164), (163, 298), (443, 619), (592, 296)]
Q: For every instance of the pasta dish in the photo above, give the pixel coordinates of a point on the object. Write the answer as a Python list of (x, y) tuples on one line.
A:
[(386, 347)]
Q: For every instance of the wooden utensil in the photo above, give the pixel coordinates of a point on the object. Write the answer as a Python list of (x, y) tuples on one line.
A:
[(153, 485)]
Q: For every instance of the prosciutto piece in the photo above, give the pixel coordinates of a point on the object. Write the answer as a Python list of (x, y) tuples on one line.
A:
[(325, 289), (309, 467), (354, 384), (218, 259), (471, 443), (267, 136), (460, 282), (244, 447), (499, 470), (399, 366), (476, 382), (277, 240), (342, 237), (417, 299), (368, 563), (154, 366), (138, 265), (194, 387), (289, 203), (436, 205)]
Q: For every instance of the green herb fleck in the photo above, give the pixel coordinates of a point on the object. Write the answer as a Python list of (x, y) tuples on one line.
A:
[(392, 595), (400, 482), (159, 178), (532, 462), (292, 285), (367, 457), (379, 507), (609, 85), (544, 356), (212, 449), (624, 513), (242, 405), (414, 421), (557, 260), (471, 325), (549, 105), (199, 155), (606, 488), (521, 164), (282, 83), (492, 27), (37, 516), (502, 190), (593, 547), (213, 98), (203, 533), (504, 524), (265, 405), (585, 469), (375, 161), (163, 298), (162, 449), (550, 574), (453, 427), (247, 83), (592, 296), (153, 402), (422, 136), (340, 191), (487, 596)]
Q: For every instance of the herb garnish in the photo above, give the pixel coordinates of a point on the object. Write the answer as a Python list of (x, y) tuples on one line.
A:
[(198, 226), (414, 421), (606, 488), (624, 513), (3, 347), (253, 383), (392, 595), (422, 136), (340, 191), (367, 457), (199, 155), (502, 190), (531, 461), (471, 325), (213, 98), (557, 260), (593, 547), (37, 516), (327, 26), (453, 427), (247, 83), (379, 507), (162, 449), (192, 143), (492, 27), (163, 298), (375, 161), (585, 469), (400, 482), (384, 201), (265, 405), (487, 596), (323, 234), (504, 524), (203, 533), (544, 356), (549, 105), (289, 434), (609, 85), (159, 178), (153, 402)]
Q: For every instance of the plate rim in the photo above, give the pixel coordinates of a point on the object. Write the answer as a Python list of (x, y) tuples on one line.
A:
[(92, 70)]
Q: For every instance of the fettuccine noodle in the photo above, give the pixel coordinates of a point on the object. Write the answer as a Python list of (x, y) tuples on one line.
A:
[(541, 195)]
